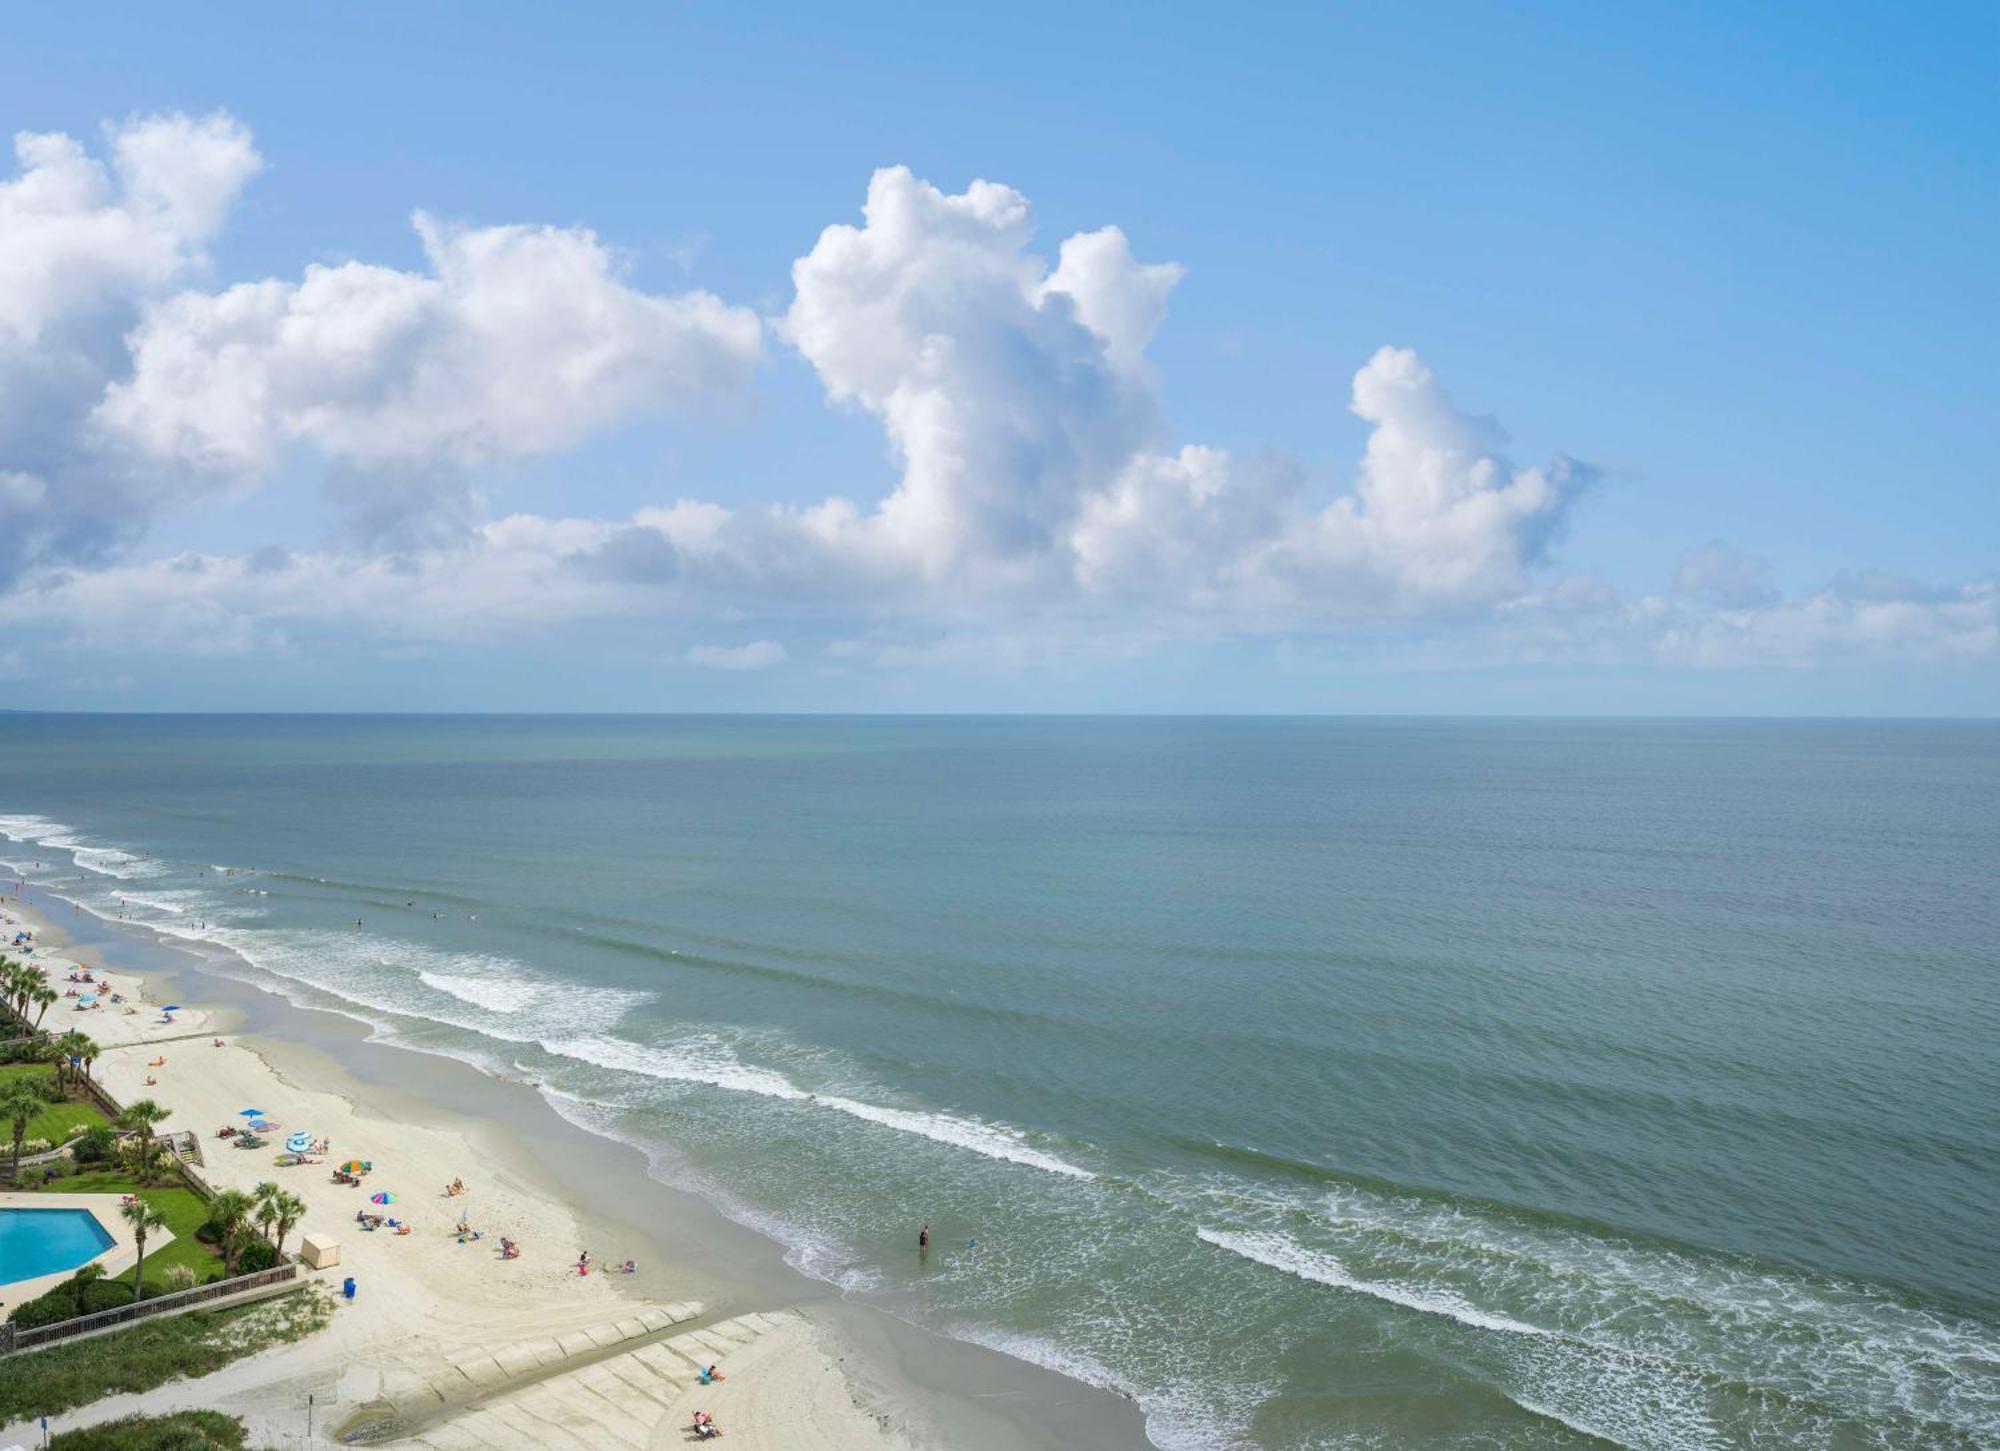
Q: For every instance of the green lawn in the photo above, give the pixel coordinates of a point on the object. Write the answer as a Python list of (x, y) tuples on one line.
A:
[(185, 1212), (59, 1121)]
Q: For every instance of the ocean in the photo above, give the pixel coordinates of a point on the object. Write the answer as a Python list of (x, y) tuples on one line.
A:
[(1318, 1083)]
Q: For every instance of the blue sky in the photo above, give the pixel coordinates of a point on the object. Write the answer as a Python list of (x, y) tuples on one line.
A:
[(1735, 263)]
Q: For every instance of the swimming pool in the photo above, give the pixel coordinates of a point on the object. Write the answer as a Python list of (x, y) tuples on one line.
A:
[(48, 1241)]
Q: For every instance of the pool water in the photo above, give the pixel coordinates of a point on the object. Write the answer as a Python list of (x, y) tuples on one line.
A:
[(47, 1241)]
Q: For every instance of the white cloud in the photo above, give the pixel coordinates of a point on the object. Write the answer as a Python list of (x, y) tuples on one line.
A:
[(757, 655), (80, 236), (1002, 401), (82, 245), (1038, 505), (518, 340)]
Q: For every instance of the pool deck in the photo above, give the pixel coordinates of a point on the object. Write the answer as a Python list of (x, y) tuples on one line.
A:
[(104, 1209)]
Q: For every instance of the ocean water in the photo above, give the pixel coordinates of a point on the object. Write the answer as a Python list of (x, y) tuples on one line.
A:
[(1324, 1083)]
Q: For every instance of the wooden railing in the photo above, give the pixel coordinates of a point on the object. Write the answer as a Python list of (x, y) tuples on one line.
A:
[(13, 1338)]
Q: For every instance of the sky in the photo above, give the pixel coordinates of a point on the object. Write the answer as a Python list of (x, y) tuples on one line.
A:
[(1437, 358)]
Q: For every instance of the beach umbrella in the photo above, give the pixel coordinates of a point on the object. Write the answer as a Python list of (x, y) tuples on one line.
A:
[(249, 1113), (356, 1166), (171, 1008), (384, 1197), (298, 1143), (262, 1126)]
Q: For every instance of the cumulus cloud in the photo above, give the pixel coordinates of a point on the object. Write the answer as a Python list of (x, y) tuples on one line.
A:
[(1036, 492), (518, 340), (757, 655), (83, 244), (81, 237), (1018, 402)]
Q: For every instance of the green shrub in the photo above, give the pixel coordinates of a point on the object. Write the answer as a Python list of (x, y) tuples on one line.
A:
[(182, 1431), (103, 1295), (257, 1255), (97, 1146), (46, 1308), (84, 1293)]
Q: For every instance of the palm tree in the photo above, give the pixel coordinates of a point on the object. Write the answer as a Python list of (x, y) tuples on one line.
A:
[(70, 1047), (15, 980), (277, 1212), (291, 1209), (229, 1211), (265, 1198), (140, 1117), (22, 981), (43, 997), (144, 1219), (20, 1100)]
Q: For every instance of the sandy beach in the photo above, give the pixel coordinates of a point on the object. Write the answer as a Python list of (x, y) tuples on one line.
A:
[(426, 1300)]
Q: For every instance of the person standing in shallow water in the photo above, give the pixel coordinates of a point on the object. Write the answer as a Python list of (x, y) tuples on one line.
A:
[(924, 1238)]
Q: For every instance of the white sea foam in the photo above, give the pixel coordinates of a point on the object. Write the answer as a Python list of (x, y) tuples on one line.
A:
[(105, 861), (1856, 1345), (159, 904), (817, 1256), (394, 979), (1180, 1416), (496, 994), (1282, 1253), (31, 828), (707, 1061)]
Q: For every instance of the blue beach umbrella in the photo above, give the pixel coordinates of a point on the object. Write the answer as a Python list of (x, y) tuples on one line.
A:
[(249, 1113), (298, 1143), (171, 1008)]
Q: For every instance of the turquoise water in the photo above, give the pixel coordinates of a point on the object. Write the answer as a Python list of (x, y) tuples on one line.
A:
[(47, 1241), (1320, 1083)]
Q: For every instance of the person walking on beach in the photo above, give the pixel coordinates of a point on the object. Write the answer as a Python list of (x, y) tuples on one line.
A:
[(583, 1263)]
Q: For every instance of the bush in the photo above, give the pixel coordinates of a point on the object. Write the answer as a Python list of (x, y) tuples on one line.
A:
[(257, 1255), (97, 1146), (47, 1308), (103, 1295), (81, 1294), (182, 1431), (180, 1277)]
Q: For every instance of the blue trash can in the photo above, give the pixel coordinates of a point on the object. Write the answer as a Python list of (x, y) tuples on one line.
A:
[(347, 1287)]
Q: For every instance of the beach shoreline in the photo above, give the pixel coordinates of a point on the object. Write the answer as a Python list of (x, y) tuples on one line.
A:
[(845, 1376)]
